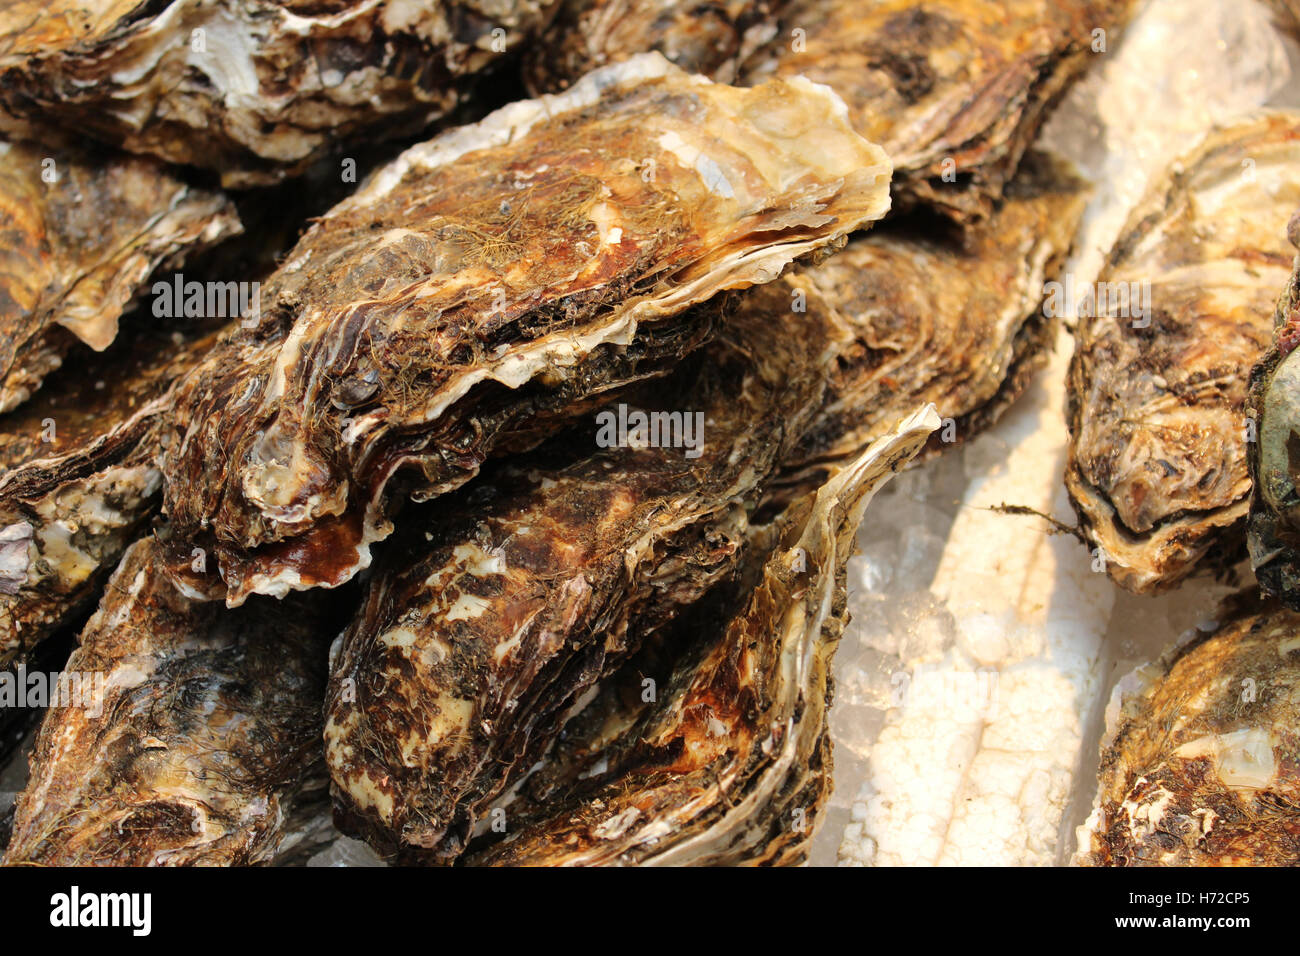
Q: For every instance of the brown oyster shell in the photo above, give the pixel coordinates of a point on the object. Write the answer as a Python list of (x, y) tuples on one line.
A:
[(1203, 768), (254, 89), (732, 765), (80, 478), (923, 317), (954, 90), (711, 39), (479, 286), (1157, 466), (76, 252), (207, 730)]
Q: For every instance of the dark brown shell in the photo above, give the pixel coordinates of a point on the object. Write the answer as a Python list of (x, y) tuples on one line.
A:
[(80, 479), (75, 252), (707, 38), (922, 317), (208, 728), (482, 630), (732, 765), (1204, 767), (953, 89), (1157, 464), (481, 287), (254, 89)]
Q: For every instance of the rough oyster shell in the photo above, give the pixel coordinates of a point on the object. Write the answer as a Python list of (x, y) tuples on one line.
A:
[(1157, 465), (1274, 408), (711, 39), (253, 89), (207, 728), (1201, 769), (732, 766), (79, 479), (954, 90), (478, 634), (76, 251), (485, 280), (923, 318)]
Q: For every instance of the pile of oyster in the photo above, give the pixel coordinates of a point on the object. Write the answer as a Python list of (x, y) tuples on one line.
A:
[(446, 425)]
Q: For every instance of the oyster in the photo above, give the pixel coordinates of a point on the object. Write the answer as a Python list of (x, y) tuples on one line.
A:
[(476, 292), (77, 250), (707, 38), (923, 318), (1158, 436), (253, 89), (198, 730), (1274, 409), (733, 764), (1202, 766), (80, 478), (954, 90), (479, 632)]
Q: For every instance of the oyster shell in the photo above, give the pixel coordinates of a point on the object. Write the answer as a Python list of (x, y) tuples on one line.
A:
[(206, 728), (954, 90), (480, 632), (478, 287), (1158, 436), (76, 251), (80, 478), (709, 38), (254, 89), (1274, 408), (924, 318), (1202, 767), (733, 764)]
